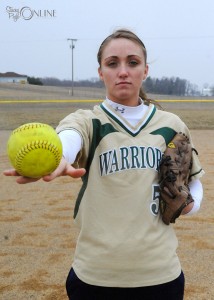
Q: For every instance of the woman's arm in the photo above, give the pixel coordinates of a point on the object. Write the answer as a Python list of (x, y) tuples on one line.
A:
[(196, 190)]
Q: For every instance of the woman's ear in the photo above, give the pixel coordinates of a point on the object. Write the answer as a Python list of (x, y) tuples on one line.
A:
[(146, 71), (100, 74)]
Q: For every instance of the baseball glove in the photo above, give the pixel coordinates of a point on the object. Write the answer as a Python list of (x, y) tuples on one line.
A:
[(174, 173)]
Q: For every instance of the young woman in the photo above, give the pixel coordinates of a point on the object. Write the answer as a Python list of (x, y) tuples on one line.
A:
[(124, 250)]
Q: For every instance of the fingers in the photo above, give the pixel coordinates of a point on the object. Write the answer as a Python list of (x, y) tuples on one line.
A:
[(11, 172), (76, 173), (63, 169), (20, 179), (24, 180)]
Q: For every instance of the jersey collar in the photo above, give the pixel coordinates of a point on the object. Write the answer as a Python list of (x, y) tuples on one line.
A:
[(121, 121)]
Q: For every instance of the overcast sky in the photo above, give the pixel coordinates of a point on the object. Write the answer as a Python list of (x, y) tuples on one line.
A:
[(178, 34)]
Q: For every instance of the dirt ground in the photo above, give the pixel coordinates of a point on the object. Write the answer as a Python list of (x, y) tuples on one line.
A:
[(37, 233)]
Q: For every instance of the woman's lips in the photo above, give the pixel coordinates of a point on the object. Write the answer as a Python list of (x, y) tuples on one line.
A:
[(123, 83)]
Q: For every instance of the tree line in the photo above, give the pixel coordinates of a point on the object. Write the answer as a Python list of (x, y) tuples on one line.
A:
[(170, 86), (163, 86)]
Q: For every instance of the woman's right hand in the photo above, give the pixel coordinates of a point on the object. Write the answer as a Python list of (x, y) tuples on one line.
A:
[(64, 169)]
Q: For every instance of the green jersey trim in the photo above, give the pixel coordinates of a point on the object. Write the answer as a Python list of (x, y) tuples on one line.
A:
[(130, 131), (166, 132), (99, 132), (196, 173)]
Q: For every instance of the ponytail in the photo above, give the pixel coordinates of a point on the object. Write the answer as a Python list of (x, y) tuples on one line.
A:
[(147, 100)]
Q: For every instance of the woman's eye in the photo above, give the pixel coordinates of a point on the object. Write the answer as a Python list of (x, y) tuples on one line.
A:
[(133, 63), (112, 64)]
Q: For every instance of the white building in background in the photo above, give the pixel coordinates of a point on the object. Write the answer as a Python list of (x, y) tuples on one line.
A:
[(207, 92), (11, 77)]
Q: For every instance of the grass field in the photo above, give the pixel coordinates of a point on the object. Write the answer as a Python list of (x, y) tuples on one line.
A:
[(26, 103), (13, 115)]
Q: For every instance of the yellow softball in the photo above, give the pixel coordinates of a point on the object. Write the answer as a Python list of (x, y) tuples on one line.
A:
[(34, 149)]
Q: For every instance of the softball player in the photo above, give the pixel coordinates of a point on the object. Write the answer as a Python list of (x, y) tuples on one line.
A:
[(124, 250)]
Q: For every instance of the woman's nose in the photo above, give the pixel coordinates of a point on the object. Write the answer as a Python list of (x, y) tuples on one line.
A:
[(123, 71)]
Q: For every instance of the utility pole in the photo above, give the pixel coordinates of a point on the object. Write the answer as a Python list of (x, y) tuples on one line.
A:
[(72, 46)]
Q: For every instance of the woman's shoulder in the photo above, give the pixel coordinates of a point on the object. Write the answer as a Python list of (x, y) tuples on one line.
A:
[(160, 111), (169, 119), (168, 114)]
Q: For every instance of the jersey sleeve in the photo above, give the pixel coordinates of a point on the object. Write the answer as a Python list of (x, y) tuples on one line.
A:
[(196, 170), (172, 121), (79, 121)]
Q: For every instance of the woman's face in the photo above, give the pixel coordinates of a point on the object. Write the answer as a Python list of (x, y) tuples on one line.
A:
[(123, 69)]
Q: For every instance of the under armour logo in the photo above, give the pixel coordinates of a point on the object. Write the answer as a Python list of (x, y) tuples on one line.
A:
[(122, 110)]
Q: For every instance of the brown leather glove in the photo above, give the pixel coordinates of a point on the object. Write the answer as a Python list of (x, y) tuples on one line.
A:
[(174, 173)]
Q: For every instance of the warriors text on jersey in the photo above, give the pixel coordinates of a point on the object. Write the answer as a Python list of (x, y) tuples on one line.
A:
[(123, 241)]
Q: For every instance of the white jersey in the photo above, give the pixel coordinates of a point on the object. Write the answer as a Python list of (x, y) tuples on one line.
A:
[(123, 241)]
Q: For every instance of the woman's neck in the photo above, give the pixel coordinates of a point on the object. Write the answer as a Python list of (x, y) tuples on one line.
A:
[(127, 103), (133, 114)]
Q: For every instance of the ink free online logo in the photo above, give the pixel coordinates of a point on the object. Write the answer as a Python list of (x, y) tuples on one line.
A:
[(26, 13)]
